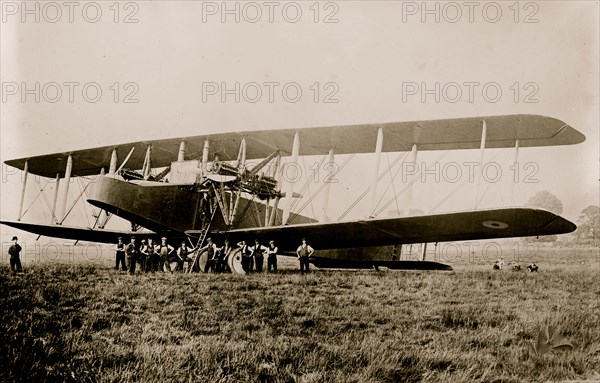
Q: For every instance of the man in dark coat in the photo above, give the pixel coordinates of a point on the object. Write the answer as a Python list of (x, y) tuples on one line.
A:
[(15, 251)]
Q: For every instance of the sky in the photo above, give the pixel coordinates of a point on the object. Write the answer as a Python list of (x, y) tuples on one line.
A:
[(87, 74)]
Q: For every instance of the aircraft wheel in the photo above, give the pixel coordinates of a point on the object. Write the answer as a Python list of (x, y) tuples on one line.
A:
[(203, 260), (235, 262)]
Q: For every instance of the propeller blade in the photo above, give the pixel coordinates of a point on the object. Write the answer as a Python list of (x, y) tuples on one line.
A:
[(126, 159)]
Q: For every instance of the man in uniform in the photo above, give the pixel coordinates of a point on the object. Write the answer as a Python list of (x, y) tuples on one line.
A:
[(258, 252), (15, 251), (223, 259), (163, 250), (132, 252), (272, 257), (183, 254), (120, 255), (304, 252), (152, 259), (211, 261), (246, 256), (142, 259)]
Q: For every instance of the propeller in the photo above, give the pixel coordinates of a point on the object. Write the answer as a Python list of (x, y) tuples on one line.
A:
[(126, 159)]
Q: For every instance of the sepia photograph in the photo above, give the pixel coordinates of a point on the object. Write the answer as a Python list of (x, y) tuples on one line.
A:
[(300, 191)]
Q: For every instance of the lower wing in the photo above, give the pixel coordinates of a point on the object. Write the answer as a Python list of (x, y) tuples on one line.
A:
[(446, 227), (460, 226), (77, 233)]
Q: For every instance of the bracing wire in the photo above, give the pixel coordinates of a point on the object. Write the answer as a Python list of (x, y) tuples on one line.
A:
[(368, 189), (408, 185), (297, 213)]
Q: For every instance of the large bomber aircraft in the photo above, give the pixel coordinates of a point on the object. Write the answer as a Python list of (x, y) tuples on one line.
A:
[(212, 190)]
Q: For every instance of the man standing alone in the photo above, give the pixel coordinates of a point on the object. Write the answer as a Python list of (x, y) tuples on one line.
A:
[(304, 252), (15, 251)]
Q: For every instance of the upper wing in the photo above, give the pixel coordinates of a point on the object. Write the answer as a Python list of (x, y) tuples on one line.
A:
[(459, 133), (462, 226)]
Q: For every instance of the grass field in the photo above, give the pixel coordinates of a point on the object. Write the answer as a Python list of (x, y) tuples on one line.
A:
[(84, 322)]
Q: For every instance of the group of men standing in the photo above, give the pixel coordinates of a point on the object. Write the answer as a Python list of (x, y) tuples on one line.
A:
[(149, 256), (253, 257), (153, 257)]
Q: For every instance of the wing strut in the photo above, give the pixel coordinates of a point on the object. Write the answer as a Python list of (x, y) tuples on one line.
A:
[(423, 251), (277, 175), (63, 206), (147, 168), (290, 183), (219, 193), (112, 168), (205, 152), (516, 168), (241, 159), (378, 148), (181, 153), (327, 181), (25, 174), (413, 161), (480, 172), (55, 220), (234, 199)]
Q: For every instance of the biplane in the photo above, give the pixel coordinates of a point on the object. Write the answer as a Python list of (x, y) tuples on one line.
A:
[(231, 185)]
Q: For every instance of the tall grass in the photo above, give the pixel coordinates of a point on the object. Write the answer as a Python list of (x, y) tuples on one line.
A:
[(88, 324)]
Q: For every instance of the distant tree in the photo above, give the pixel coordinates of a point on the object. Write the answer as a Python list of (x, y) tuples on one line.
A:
[(588, 230), (546, 200)]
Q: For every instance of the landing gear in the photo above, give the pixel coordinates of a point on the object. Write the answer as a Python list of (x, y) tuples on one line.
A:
[(235, 262)]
